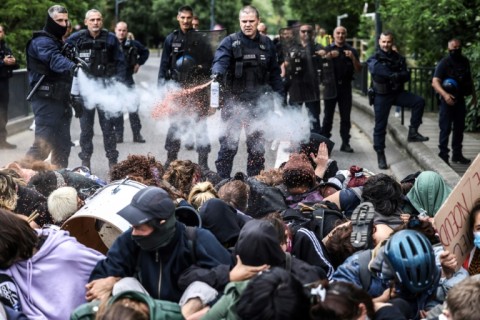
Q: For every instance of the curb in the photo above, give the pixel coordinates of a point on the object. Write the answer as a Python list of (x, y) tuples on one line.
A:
[(420, 152), (19, 124)]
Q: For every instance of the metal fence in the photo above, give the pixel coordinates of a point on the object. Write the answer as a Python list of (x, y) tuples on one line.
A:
[(18, 105), (420, 83)]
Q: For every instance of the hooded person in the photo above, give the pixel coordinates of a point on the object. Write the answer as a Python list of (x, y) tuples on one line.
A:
[(428, 194), (223, 220), (48, 269), (156, 250)]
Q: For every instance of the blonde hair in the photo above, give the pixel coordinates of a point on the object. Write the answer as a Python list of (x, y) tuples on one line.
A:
[(8, 192), (180, 174), (200, 193)]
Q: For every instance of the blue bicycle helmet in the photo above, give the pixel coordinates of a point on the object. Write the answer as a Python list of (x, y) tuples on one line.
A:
[(450, 85), (185, 63), (411, 255)]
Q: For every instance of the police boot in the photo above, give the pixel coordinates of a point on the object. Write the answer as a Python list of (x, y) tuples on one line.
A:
[(415, 136), (203, 160), (382, 161)]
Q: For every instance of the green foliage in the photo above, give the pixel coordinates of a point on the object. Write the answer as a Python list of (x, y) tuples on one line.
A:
[(472, 120)]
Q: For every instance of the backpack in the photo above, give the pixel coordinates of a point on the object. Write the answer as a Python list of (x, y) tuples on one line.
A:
[(319, 217)]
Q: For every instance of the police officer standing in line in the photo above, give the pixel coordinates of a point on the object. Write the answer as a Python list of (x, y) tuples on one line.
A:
[(172, 67), (247, 61), (453, 81), (50, 102), (389, 74), (136, 55), (102, 52), (345, 63), (7, 64)]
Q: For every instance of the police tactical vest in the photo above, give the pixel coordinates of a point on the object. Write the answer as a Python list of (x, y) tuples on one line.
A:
[(131, 53), (460, 71), (177, 51), (250, 71), (36, 65), (95, 53), (395, 63)]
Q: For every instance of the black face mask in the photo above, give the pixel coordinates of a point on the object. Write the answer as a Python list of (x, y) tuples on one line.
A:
[(54, 28), (455, 53), (161, 236)]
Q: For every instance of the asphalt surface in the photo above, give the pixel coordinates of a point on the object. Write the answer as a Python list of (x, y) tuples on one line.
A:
[(403, 158)]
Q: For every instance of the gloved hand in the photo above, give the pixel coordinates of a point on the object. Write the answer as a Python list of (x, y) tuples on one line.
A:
[(215, 76), (76, 102)]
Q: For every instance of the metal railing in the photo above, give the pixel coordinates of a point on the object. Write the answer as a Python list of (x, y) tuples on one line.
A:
[(18, 106)]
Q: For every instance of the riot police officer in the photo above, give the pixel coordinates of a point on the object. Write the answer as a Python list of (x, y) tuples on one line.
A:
[(248, 63), (453, 81), (389, 73), (136, 55), (50, 101), (345, 63), (177, 65), (7, 64), (103, 54)]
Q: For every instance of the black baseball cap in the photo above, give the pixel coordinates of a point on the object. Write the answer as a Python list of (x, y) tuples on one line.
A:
[(147, 204)]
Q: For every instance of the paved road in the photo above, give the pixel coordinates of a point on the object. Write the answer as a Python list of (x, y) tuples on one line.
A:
[(155, 131)]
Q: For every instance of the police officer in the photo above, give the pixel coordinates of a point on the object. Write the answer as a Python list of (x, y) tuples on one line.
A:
[(248, 62), (454, 72), (301, 67), (389, 74), (50, 102), (175, 66), (102, 52), (7, 64), (345, 63), (136, 55)]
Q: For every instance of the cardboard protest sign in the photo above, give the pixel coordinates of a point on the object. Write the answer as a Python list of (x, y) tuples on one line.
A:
[(451, 221)]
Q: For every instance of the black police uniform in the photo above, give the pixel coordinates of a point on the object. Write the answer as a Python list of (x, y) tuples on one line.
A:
[(135, 53), (248, 66), (389, 74), (105, 61), (5, 74), (303, 80), (50, 103), (173, 50), (452, 118), (344, 70)]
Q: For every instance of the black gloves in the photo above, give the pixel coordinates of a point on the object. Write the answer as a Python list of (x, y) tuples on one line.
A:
[(76, 102)]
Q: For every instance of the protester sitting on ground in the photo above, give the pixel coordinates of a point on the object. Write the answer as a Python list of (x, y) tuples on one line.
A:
[(311, 148), (223, 221), (46, 182), (236, 193), (346, 199), (48, 268), (463, 301), (200, 193), (63, 203), (427, 195), (300, 180), (157, 247), (143, 169), (128, 305), (271, 177), (408, 181), (24, 201), (183, 175), (272, 294), (340, 300), (472, 261), (404, 265)]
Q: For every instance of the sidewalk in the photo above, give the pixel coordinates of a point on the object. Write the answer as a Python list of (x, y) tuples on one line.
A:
[(425, 154)]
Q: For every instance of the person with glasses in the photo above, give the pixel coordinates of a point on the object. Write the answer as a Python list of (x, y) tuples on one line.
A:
[(346, 63)]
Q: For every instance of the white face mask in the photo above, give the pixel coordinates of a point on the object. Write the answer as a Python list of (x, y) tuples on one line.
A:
[(476, 239)]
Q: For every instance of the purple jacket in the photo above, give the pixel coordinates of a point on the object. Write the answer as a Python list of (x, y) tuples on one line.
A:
[(51, 284)]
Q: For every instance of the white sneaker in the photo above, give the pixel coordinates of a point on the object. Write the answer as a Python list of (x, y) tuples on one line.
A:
[(397, 114), (32, 126)]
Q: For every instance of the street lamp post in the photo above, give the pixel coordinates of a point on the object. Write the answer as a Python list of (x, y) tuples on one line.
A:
[(117, 2), (340, 17), (212, 14)]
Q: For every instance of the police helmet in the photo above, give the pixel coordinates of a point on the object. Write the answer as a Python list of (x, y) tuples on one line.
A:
[(450, 85), (411, 255), (185, 63)]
